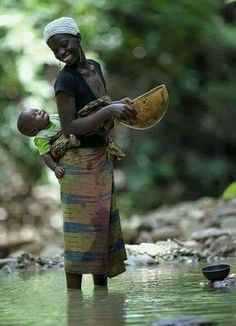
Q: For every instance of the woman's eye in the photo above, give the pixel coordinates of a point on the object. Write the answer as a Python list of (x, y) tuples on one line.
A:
[(64, 44)]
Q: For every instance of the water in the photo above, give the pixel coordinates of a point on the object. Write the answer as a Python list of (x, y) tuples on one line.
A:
[(137, 297)]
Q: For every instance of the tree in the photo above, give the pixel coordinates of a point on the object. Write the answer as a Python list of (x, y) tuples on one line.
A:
[(188, 45)]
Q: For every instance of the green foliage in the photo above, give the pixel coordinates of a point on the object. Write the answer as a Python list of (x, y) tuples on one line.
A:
[(230, 191), (188, 45)]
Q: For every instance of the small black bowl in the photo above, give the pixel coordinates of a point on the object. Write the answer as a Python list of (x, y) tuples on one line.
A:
[(216, 272)]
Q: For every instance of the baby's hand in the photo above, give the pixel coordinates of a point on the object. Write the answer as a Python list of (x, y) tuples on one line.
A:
[(59, 171)]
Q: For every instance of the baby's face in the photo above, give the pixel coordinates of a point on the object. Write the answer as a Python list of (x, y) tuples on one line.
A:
[(36, 120)]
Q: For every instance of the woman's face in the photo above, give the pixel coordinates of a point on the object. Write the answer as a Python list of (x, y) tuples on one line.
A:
[(65, 47)]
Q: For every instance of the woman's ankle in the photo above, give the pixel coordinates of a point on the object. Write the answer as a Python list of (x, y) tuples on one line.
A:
[(100, 279), (73, 281)]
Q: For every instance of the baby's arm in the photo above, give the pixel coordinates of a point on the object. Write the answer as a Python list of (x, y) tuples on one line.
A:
[(49, 161)]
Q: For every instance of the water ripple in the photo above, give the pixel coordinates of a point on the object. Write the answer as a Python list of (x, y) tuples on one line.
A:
[(137, 297)]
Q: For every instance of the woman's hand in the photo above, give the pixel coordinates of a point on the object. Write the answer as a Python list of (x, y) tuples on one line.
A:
[(70, 125), (125, 100), (122, 111)]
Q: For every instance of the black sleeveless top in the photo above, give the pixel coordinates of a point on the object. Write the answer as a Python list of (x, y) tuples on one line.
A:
[(71, 82)]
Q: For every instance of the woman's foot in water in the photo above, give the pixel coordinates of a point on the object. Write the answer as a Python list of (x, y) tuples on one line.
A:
[(73, 281), (100, 280)]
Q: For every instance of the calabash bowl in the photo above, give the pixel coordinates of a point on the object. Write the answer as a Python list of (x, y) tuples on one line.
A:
[(150, 107)]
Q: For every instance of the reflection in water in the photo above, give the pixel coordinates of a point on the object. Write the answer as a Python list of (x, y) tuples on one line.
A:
[(100, 308), (138, 297)]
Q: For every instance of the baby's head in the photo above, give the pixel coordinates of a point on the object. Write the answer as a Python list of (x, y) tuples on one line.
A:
[(31, 121)]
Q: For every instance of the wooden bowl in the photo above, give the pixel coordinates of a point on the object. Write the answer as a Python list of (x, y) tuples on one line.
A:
[(150, 107)]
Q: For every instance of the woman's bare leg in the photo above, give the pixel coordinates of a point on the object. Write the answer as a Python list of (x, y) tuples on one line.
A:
[(100, 279), (73, 281)]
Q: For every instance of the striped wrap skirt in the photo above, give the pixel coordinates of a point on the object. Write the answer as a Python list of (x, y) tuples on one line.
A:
[(93, 241)]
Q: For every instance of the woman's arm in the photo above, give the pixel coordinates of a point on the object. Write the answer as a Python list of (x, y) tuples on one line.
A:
[(81, 126)]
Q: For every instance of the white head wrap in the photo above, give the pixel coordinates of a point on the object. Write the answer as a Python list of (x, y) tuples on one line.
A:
[(62, 25)]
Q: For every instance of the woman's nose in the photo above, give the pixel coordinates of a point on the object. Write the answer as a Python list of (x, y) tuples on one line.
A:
[(61, 52)]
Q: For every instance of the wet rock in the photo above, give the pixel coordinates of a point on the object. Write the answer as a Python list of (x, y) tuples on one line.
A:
[(6, 261), (222, 245), (229, 223), (229, 283), (185, 321), (7, 269), (129, 234), (144, 236), (209, 232), (133, 222), (52, 250), (162, 251), (149, 248), (207, 226), (140, 260), (226, 210), (188, 226), (164, 233), (190, 244), (132, 249), (130, 228), (146, 225), (29, 263), (167, 249)]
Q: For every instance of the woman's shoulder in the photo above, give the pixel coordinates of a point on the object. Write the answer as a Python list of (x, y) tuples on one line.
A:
[(64, 72), (64, 75)]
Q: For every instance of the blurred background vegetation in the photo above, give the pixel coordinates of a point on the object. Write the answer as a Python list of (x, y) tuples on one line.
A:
[(190, 46)]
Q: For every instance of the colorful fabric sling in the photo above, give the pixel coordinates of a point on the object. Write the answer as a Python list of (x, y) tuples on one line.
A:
[(59, 146)]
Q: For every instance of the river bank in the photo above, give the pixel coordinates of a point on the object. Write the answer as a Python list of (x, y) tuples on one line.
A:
[(204, 229), (189, 231)]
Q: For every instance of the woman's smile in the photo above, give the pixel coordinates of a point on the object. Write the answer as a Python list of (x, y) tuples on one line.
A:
[(68, 58)]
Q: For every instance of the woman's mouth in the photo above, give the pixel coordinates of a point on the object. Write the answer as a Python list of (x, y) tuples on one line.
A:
[(67, 58)]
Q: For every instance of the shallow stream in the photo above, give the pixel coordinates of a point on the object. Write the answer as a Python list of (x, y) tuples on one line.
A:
[(140, 296)]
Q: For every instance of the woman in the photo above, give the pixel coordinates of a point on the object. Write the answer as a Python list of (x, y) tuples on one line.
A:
[(92, 234)]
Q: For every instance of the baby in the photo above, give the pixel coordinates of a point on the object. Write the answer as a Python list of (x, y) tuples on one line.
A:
[(46, 129)]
